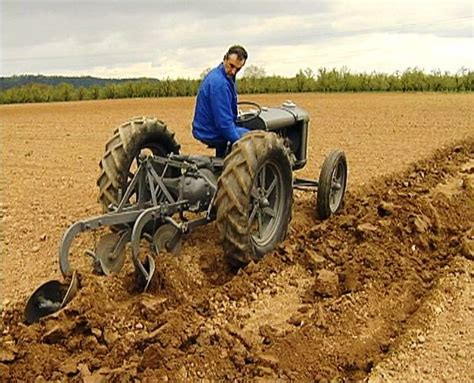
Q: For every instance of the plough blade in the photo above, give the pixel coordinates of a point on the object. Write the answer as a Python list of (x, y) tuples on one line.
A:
[(49, 298), (145, 271)]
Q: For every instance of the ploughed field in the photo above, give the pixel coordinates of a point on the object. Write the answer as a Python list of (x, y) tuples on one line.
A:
[(382, 291)]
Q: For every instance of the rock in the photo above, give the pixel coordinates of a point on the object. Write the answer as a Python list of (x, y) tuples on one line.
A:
[(296, 320), (153, 356), (420, 223), (95, 378), (7, 355), (69, 367), (204, 339), (467, 248), (97, 332), (347, 221), (364, 230), (238, 355), (268, 360), (43, 237), (101, 349), (182, 374), (349, 279), (304, 309), (385, 209), (55, 335), (314, 257), (130, 336), (265, 372), (247, 342), (84, 370), (293, 282), (152, 307), (35, 249), (110, 337), (90, 343), (333, 244), (4, 372), (326, 284)]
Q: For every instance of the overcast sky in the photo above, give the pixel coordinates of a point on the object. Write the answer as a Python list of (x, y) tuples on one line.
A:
[(161, 38)]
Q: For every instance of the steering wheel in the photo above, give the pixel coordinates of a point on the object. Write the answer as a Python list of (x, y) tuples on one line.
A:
[(250, 111)]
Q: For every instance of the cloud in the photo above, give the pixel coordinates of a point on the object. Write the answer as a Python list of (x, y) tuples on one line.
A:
[(180, 38)]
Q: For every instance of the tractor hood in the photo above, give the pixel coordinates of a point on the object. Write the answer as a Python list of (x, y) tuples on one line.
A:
[(275, 118)]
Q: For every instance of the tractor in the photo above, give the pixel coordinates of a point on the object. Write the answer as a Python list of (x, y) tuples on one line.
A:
[(148, 189)]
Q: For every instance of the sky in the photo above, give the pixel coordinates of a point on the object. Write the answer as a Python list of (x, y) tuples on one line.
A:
[(181, 39)]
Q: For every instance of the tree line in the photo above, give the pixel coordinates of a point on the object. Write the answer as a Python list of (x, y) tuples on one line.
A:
[(253, 81), (77, 81)]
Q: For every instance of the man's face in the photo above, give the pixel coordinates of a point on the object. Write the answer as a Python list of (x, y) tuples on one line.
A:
[(232, 65)]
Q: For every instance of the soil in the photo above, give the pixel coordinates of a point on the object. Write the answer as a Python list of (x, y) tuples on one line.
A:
[(381, 292)]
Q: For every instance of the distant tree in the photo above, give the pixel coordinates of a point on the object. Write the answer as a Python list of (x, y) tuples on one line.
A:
[(309, 74), (251, 79), (305, 80), (254, 71), (204, 73), (95, 92)]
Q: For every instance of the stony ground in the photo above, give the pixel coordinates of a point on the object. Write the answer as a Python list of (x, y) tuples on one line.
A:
[(381, 292)]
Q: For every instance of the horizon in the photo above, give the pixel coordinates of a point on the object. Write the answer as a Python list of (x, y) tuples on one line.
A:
[(461, 70)]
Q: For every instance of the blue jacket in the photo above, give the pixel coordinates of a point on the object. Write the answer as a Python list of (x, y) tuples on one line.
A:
[(216, 108)]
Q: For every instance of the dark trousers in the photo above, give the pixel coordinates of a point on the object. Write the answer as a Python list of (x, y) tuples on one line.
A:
[(220, 146)]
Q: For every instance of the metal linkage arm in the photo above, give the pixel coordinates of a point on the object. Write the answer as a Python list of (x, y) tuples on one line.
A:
[(86, 225), (305, 184)]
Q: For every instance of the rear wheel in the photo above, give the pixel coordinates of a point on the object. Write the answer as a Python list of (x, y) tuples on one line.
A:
[(143, 135), (254, 197), (332, 184)]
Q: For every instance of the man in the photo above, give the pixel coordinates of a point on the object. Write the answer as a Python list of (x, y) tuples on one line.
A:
[(216, 103)]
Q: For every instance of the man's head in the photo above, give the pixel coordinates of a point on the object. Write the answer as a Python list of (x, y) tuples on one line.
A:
[(234, 60)]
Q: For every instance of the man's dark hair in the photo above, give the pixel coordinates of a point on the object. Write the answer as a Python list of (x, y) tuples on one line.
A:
[(239, 50)]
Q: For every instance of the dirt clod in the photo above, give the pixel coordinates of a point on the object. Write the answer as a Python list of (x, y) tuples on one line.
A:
[(326, 284)]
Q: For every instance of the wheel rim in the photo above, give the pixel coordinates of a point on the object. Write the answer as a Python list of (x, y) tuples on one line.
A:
[(338, 182), (265, 204)]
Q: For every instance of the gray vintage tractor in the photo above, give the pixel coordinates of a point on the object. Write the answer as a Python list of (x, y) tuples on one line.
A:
[(149, 190)]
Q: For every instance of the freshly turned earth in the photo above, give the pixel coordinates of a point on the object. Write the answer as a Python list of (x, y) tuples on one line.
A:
[(383, 291)]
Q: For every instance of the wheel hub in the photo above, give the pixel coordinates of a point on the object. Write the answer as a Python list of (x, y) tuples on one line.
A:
[(167, 238), (110, 251), (263, 202)]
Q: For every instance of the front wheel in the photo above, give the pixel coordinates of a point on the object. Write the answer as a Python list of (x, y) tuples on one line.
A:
[(254, 197), (332, 184)]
